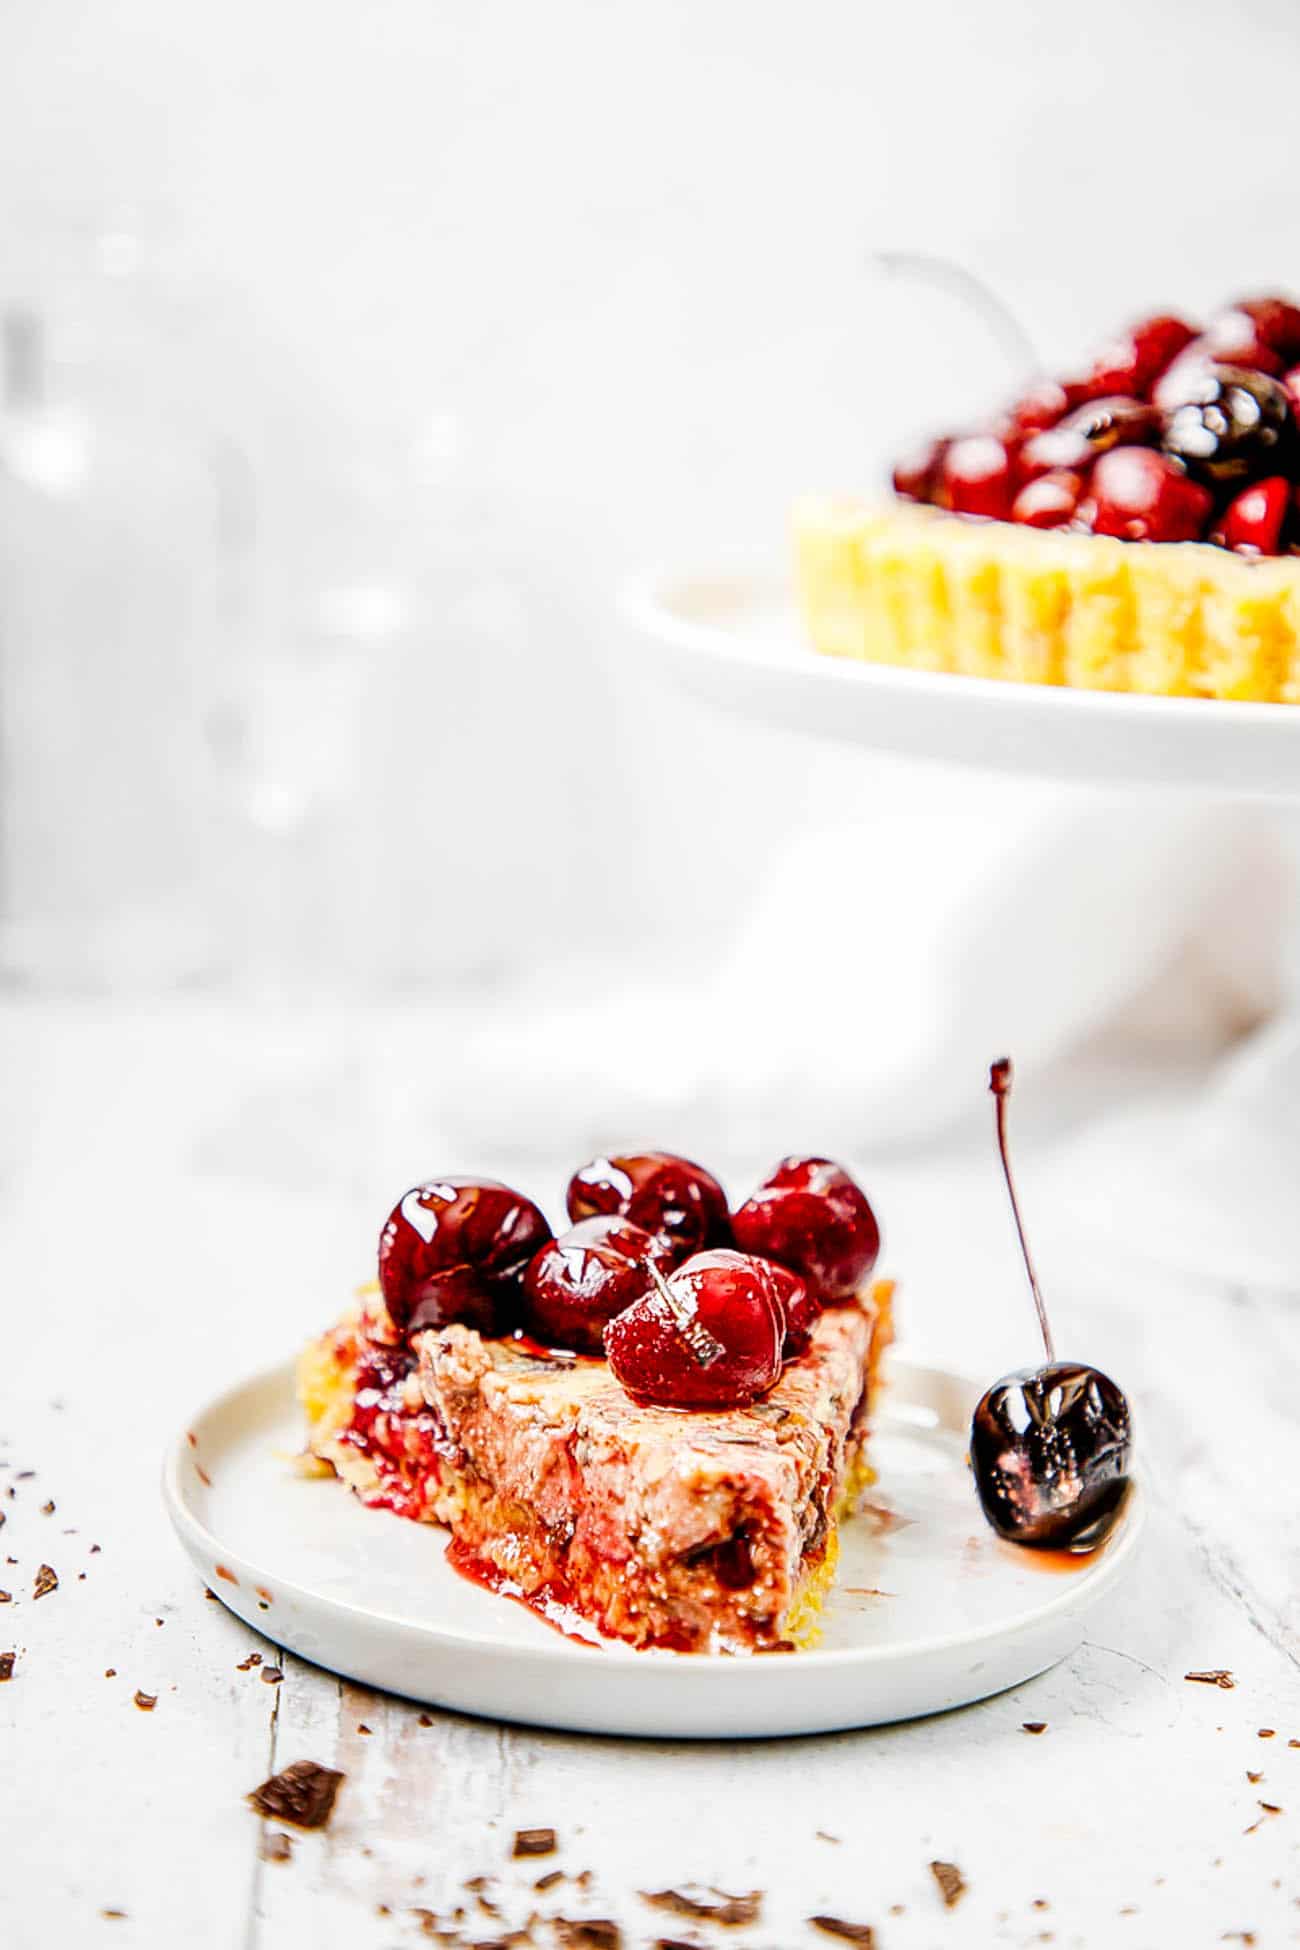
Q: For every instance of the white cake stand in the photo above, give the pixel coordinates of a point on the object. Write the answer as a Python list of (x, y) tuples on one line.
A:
[(1221, 1194)]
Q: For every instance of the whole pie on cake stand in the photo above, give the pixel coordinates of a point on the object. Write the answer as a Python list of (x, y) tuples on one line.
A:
[(1101, 585)]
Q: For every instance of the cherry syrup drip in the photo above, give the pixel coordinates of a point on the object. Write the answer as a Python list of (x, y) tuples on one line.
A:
[(552, 1602)]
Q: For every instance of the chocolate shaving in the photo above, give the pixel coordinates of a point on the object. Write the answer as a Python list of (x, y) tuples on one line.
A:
[(951, 1881), (588, 1933), (146, 1701), (362, 1727), (6, 1597), (1270, 1807), (1034, 1726), (534, 1841), (1215, 1678), (303, 1794), (271, 1675), (7, 1660), (1254, 1779), (47, 1509), (46, 1581), (847, 1932), (277, 1846), (717, 1906), (1267, 1733), (549, 1880), (246, 1665), (425, 1720)]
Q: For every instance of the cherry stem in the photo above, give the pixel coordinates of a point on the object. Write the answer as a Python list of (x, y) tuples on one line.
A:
[(1000, 1074)]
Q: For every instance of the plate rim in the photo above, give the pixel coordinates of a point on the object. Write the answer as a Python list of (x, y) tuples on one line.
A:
[(199, 1539), (650, 600)]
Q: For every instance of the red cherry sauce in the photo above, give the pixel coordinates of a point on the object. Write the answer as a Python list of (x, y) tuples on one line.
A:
[(552, 1602), (403, 1444)]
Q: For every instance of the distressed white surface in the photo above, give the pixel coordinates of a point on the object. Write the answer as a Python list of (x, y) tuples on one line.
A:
[(184, 1196)]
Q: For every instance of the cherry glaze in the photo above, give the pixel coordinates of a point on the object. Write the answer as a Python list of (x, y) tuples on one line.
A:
[(456, 1249)]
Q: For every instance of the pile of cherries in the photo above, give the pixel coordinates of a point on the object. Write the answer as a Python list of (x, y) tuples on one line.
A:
[(693, 1305), (1169, 435)]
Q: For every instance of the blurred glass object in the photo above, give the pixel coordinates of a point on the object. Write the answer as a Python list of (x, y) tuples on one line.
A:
[(106, 581)]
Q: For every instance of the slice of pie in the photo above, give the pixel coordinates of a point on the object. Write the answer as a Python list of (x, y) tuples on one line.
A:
[(1134, 526), (700, 1530)]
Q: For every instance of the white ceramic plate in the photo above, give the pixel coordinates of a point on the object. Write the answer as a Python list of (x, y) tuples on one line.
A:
[(929, 1610), (737, 642)]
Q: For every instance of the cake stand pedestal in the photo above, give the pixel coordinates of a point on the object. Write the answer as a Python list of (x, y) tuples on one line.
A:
[(1222, 1192)]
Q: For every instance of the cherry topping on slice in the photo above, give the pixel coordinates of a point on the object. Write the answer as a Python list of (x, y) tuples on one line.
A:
[(456, 1249), (1049, 1446), (1042, 406), (577, 1282), (977, 476), (665, 1195), (707, 1336), (810, 1215), (1143, 496), (1252, 523), (1131, 363), (1048, 502), (797, 1305)]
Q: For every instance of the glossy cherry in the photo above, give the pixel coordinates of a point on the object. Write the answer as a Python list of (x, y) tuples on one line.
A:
[(1048, 502), (977, 476), (1091, 429), (1257, 325), (798, 1305), (1046, 402), (707, 1336), (1234, 426), (456, 1249), (1131, 363), (665, 1195), (1143, 496), (810, 1215), (1049, 1446), (1253, 522), (578, 1281), (916, 475)]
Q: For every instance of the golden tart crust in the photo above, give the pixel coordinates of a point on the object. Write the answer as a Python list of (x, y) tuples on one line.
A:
[(912, 585)]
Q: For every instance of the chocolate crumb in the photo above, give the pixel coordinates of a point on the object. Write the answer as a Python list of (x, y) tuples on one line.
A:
[(271, 1675), (7, 1661), (822, 1836), (47, 1509), (898, 1909), (1040, 1902), (425, 1720), (157, 1621), (362, 1727), (847, 1932), (246, 1665), (1215, 1678), (46, 1581), (1253, 1778), (110, 1672), (716, 1905), (951, 1881), (6, 1597), (1270, 1807), (1267, 1733), (277, 1846), (146, 1701), (534, 1841), (94, 1550), (208, 1592), (549, 1880), (588, 1933), (113, 1915), (302, 1793), (1034, 1726)]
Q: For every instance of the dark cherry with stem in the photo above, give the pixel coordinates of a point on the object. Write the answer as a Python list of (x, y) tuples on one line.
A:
[(1049, 1446)]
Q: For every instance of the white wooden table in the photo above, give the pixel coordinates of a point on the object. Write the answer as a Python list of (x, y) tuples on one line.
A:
[(186, 1193)]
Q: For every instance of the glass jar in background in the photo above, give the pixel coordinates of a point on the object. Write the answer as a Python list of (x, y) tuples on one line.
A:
[(107, 572)]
